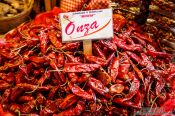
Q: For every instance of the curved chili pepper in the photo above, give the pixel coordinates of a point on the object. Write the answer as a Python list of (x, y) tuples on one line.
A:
[(37, 59), (141, 41), (113, 69), (143, 36), (70, 46), (103, 76), (97, 51), (25, 98), (147, 62), (68, 101), (123, 45), (108, 44), (51, 108), (135, 57), (60, 60), (110, 57), (43, 78), (94, 59), (55, 40), (52, 92), (116, 88), (71, 58), (15, 108), (5, 97), (139, 73), (77, 67), (5, 113), (73, 77), (80, 92), (119, 22), (43, 40), (83, 78), (80, 107), (98, 86), (169, 105), (4, 85), (28, 107), (133, 90)]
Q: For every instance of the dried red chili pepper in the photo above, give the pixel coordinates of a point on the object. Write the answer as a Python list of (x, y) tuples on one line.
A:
[(5, 97), (70, 46), (97, 51), (80, 92), (123, 45), (116, 88), (55, 40), (5, 113), (77, 67), (113, 69), (52, 92), (51, 108), (94, 59), (60, 60), (98, 86), (108, 44), (68, 101), (28, 107), (80, 107), (37, 59), (83, 78), (147, 62), (135, 57), (103, 76), (119, 22), (15, 108), (4, 85), (25, 98), (73, 77), (143, 36)]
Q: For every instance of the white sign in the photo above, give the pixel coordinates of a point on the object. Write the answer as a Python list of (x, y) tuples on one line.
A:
[(83, 25)]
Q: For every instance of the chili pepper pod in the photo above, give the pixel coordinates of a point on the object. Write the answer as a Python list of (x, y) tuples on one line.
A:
[(79, 108), (15, 93), (25, 98), (113, 69), (94, 59), (37, 59), (108, 44), (5, 113), (52, 92), (78, 67), (119, 22), (55, 40), (97, 51), (116, 89), (80, 92), (70, 46), (68, 101), (4, 85), (51, 108), (28, 107), (73, 77), (6, 96), (60, 60), (97, 86), (15, 108), (103, 76), (83, 78)]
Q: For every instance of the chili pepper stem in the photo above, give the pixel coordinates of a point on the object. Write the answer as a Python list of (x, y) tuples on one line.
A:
[(33, 90), (154, 102), (65, 82)]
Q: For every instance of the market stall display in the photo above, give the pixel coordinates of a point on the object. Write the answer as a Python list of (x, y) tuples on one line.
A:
[(40, 75)]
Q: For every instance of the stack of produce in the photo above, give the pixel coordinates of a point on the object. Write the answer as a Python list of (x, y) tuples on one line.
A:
[(161, 24), (40, 75)]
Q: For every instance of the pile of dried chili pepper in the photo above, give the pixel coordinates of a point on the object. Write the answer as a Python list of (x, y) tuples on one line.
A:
[(40, 75)]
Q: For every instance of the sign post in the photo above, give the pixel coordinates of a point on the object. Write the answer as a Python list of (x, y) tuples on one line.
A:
[(87, 26)]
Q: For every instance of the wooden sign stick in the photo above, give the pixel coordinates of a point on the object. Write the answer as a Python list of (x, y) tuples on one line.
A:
[(87, 47)]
